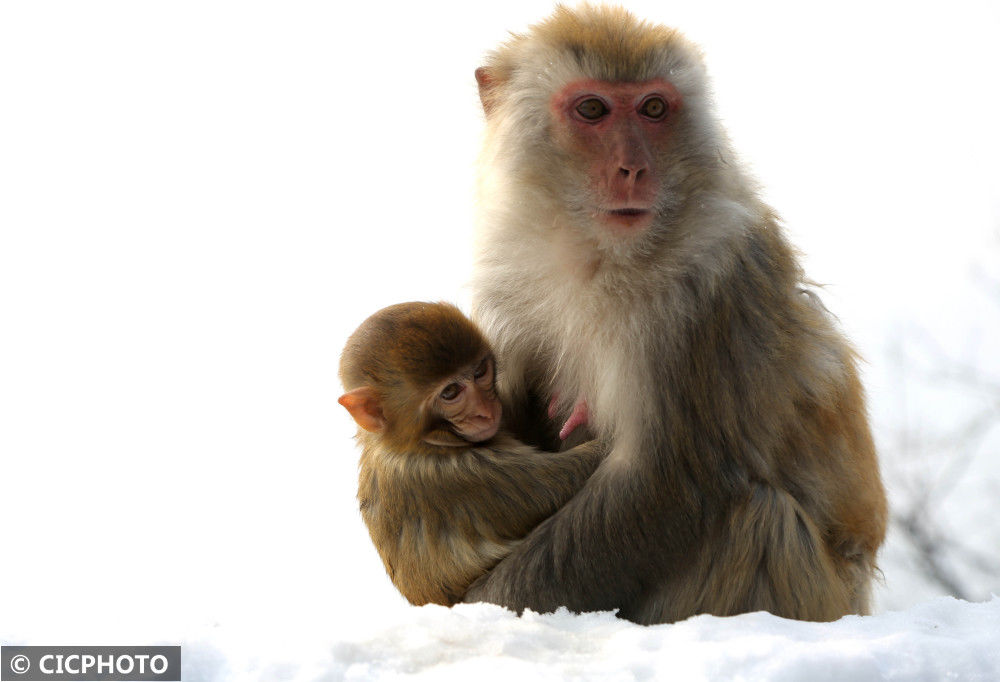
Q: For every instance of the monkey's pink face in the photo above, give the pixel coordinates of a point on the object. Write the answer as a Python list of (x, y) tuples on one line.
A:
[(618, 130), (469, 402)]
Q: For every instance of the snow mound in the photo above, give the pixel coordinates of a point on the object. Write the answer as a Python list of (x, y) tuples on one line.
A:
[(940, 640)]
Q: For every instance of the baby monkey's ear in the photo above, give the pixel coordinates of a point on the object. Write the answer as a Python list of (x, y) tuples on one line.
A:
[(365, 407)]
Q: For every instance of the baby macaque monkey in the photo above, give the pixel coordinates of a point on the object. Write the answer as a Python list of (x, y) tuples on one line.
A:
[(445, 492)]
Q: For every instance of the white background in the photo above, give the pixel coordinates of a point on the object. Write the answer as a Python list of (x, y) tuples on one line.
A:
[(200, 200)]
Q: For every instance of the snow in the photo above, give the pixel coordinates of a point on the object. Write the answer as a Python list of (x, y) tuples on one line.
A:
[(939, 640)]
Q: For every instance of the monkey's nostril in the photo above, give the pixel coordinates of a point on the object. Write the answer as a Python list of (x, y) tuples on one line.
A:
[(634, 174)]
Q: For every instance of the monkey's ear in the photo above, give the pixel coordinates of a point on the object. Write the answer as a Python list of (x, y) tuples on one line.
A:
[(488, 82), (366, 408)]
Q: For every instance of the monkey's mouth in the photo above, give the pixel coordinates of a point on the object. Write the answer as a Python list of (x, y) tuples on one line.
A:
[(485, 433), (628, 220)]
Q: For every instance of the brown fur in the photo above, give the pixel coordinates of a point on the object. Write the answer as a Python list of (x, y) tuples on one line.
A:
[(742, 474), (441, 516)]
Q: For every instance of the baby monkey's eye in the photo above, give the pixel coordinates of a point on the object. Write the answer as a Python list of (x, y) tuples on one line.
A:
[(450, 392), (483, 369)]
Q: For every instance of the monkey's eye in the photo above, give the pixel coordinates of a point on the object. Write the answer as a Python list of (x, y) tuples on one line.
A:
[(483, 369), (654, 108), (592, 109), (450, 392)]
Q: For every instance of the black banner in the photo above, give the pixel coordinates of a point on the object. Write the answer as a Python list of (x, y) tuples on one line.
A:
[(85, 663)]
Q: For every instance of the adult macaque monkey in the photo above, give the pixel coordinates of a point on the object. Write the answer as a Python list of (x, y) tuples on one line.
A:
[(443, 492), (626, 263)]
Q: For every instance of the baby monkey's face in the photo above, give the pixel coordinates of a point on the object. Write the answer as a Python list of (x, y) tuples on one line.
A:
[(468, 400)]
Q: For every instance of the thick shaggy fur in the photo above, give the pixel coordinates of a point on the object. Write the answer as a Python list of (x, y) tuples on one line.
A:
[(441, 517), (742, 474)]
